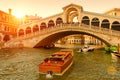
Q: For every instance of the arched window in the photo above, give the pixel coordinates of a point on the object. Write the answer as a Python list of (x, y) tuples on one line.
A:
[(70, 14), (95, 22), (21, 32), (86, 20), (105, 24), (28, 30), (6, 38), (59, 21), (51, 23), (42, 26), (35, 28), (116, 26)]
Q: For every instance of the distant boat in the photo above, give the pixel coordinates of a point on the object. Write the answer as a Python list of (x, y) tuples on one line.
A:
[(49, 46), (116, 50), (87, 49), (57, 63), (116, 54)]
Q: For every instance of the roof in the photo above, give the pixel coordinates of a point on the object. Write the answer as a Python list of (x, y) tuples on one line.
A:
[(71, 5), (3, 12), (62, 53), (114, 9)]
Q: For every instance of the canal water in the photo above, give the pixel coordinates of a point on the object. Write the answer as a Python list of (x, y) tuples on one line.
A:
[(22, 64)]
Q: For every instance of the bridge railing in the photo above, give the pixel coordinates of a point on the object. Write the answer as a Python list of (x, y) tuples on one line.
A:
[(63, 26), (103, 30)]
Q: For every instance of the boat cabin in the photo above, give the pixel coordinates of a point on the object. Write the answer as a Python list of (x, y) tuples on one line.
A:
[(57, 63), (58, 57)]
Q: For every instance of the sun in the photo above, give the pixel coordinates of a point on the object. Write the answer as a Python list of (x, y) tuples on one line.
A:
[(19, 14)]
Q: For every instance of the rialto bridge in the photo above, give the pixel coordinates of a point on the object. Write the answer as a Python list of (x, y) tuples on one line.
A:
[(48, 30)]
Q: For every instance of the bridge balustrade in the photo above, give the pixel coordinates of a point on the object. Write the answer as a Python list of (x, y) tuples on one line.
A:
[(117, 33), (64, 26)]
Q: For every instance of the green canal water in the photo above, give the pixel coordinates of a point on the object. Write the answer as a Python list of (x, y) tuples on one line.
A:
[(22, 64)]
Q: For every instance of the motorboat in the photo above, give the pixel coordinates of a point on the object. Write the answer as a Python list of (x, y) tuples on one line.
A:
[(87, 49), (57, 63)]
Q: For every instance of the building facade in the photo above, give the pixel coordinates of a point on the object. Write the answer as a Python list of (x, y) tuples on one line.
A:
[(8, 26), (105, 21), (114, 12)]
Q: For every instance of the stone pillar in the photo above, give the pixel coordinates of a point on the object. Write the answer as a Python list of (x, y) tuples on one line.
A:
[(100, 25), (17, 33), (79, 17), (90, 23), (64, 18), (82, 39)]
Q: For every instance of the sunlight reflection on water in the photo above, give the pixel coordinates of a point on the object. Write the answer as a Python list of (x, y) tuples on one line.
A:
[(22, 64)]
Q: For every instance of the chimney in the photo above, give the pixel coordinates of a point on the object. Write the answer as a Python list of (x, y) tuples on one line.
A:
[(10, 11)]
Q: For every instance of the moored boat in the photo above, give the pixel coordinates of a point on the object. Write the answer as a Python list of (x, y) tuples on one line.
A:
[(57, 63), (87, 49)]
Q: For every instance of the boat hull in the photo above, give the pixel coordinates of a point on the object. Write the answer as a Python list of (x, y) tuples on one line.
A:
[(88, 50), (56, 70), (57, 64)]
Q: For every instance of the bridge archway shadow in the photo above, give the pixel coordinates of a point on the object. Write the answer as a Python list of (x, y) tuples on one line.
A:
[(51, 39)]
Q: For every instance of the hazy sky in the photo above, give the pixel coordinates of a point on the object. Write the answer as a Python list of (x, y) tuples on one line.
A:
[(45, 8)]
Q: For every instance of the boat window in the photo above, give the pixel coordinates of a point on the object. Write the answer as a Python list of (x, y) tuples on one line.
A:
[(53, 55), (46, 59), (57, 55), (68, 56), (55, 59)]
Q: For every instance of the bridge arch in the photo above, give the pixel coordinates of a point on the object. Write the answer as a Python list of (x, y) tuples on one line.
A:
[(59, 20), (95, 22), (51, 23), (28, 30), (71, 12), (116, 25), (105, 24), (52, 38), (86, 20), (35, 28), (43, 25), (74, 16), (6, 38), (21, 32)]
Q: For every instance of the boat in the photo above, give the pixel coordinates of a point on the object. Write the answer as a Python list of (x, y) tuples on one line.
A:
[(57, 63), (87, 49), (116, 54)]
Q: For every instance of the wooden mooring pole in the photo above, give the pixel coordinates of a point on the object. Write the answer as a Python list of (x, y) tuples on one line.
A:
[(119, 48)]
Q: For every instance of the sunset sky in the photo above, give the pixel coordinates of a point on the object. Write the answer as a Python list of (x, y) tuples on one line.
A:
[(45, 8)]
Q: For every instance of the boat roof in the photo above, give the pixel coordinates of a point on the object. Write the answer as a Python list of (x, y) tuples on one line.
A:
[(62, 53), (59, 54)]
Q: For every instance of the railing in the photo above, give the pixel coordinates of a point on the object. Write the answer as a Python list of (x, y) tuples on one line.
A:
[(66, 26)]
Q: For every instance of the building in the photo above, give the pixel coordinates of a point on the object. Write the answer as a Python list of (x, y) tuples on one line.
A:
[(84, 39), (8, 26), (29, 19), (71, 14), (114, 12), (80, 39)]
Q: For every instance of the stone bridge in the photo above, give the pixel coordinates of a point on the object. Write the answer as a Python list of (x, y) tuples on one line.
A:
[(48, 30), (51, 35)]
